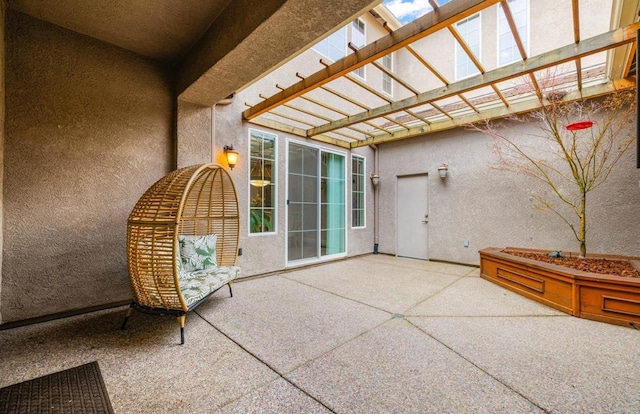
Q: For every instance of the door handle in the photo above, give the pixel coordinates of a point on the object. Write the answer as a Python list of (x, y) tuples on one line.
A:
[(426, 219)]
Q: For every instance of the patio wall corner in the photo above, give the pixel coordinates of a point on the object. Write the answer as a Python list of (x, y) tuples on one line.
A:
[(88, 129), (2, 138)]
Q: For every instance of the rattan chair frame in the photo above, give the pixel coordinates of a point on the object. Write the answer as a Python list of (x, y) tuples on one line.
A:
[(195, 200)]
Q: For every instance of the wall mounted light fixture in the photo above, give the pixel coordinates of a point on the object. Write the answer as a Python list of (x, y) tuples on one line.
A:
[(375, 179), (442, 170), (232, 156)]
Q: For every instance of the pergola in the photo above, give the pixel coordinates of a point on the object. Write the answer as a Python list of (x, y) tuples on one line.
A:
[(328, 105)]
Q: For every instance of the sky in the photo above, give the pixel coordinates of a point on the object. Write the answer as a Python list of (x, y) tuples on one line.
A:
[(409, 10)]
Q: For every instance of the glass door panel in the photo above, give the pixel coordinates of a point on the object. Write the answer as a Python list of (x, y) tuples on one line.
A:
[(333, 204), (302, 203), (316, 203)]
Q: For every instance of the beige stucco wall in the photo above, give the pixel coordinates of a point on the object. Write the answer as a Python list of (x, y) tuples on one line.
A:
[(88, 130), (265, 252), (2, 118), (194, 134), (494, 208), (196, 125)]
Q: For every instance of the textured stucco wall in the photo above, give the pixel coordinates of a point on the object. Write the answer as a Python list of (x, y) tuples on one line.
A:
[(252, 38), (261, 253), (89, 129), (494, 208), (2, 118), (194, 134)]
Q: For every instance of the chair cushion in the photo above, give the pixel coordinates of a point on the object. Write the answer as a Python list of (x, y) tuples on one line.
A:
[(198, 284), (197, 252)]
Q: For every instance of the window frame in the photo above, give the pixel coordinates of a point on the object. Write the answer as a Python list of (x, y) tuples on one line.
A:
[(458, 47), (327, 39), (385, 76), (362, 69), (274, 181), (363, 192), (528, 32)]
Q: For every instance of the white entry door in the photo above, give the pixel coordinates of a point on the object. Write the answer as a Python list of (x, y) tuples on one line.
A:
[(413, 217)]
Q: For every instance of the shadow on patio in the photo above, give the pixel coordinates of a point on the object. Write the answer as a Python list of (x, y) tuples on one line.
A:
[(368, 334)]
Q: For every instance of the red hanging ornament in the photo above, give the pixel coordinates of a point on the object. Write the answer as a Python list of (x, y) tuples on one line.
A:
[(576, 126)]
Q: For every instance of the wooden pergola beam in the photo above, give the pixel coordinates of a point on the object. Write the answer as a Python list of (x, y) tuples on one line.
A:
[(501, 112), (465, 46), (629, 60), (437, 74), (307, 112), (575, 7), (281, 126), (514, 29), (397, 78), (430, 23), (354, 102), (619, 60), (555, 57), (427, 65)]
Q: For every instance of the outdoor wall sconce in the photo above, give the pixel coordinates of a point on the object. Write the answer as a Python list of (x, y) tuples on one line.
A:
[(375, 179), (232, 156), (442, 170)]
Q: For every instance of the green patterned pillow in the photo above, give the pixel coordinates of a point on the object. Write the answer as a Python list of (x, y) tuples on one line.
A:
[(198, 252)]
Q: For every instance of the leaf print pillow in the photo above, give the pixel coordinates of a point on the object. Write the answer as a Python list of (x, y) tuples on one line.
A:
[(198, 252)]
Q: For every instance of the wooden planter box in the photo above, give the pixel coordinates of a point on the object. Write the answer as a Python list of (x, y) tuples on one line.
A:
[(604, 298)]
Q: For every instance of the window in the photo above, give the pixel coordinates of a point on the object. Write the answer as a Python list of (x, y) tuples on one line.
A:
[(335, 46), (357, 191), (387, 81), (469, 29), (507, 49), (358, 39), (262, 180)]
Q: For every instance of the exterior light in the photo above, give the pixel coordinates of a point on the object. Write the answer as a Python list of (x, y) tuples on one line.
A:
[(576, 126), (442, 170), (375, 179), (232, 156)]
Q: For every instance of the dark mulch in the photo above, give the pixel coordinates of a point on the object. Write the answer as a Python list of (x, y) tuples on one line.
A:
[(593, 265)]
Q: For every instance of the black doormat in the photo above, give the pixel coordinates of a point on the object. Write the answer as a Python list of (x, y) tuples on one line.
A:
[(76, 390)]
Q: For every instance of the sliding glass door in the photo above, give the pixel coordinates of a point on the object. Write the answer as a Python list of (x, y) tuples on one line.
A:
[(315, 203), (332, 208), (302, 203)]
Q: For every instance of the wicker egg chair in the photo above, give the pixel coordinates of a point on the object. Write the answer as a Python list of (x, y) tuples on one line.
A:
[(194, 201)]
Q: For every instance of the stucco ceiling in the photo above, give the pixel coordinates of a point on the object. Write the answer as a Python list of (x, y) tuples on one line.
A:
[(163, 30), (216, 46)]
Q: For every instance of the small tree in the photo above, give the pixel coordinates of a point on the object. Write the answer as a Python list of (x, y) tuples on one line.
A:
[(571, 163)]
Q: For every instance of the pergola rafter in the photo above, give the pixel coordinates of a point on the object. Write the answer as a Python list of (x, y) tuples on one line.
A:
[(564, 54), (358, 114), (420, 28), (575, 11), (501, 112)]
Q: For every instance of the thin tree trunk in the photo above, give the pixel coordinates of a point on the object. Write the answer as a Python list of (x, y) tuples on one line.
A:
[(583, 226)]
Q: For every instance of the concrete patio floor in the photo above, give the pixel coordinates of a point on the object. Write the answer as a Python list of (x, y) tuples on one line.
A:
[(372, 334)]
